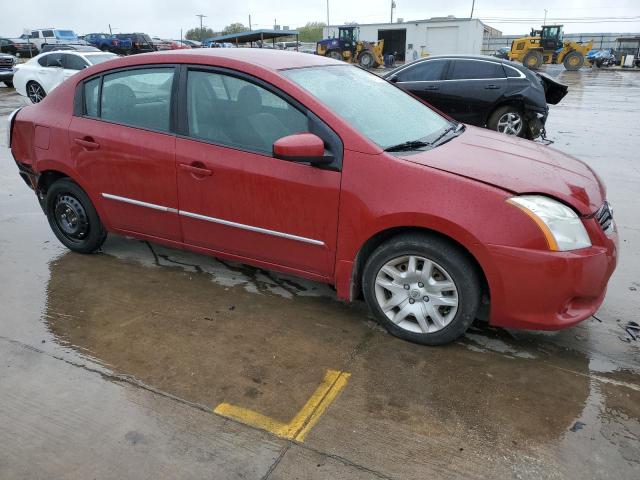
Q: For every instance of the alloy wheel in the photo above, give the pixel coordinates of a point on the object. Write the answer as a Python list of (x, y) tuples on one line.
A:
[(35, 92), (416, 294), (510, 123)]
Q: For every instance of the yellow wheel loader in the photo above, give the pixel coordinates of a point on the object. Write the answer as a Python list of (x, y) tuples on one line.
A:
[(347, 47), (547, 46)]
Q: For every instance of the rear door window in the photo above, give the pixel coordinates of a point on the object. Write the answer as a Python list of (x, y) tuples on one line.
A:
[(139, 98), (425, 71), (47, 33), (73, 62), (52, 60), (476, 70)]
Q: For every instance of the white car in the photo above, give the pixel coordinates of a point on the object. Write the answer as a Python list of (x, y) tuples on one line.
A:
[(44, 72)]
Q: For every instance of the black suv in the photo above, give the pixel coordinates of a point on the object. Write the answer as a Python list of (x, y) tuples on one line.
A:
[(483, 91), (7, 62), (140, 42)]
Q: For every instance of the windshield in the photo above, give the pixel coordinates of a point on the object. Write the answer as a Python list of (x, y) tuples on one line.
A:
[(100, 57), (377, 109), (65, 35)]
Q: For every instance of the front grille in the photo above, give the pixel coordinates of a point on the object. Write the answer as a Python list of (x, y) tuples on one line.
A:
[(604, 216), (6, 62)]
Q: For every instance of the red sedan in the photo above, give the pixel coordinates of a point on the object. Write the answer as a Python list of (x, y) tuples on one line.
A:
[(310, 166)]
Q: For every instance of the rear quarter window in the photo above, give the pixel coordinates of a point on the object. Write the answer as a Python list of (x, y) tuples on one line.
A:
[(91, 94)]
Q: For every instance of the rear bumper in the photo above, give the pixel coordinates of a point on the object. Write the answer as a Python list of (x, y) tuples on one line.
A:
[(544, 290)]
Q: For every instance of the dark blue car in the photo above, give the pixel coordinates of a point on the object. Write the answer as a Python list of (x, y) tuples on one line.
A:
[(109, 43)]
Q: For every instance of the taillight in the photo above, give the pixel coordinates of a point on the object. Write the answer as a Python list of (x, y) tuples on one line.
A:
[(136, 45)]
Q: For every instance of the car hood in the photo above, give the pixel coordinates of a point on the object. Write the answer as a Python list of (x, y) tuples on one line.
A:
[(518, 166)]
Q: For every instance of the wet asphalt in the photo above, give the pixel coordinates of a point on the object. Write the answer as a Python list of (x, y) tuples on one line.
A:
[(111, 364)]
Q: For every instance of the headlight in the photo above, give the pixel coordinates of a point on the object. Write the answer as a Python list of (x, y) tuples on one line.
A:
[(560, 225)]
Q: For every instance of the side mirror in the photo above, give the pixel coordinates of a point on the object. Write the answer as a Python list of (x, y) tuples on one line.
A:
[(393, 79), (301, 147)]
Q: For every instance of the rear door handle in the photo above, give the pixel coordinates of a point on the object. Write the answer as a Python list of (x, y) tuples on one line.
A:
[(89, 144), (432, 87), (202, 172), (492, 87)]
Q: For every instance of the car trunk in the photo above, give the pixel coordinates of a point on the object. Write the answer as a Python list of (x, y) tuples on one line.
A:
[(554, 91)]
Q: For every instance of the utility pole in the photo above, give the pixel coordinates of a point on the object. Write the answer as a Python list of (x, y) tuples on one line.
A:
[(473, 6), (545, 17), (327, 13), (250, 22), (110, 32), (393, 5), (201, 31)]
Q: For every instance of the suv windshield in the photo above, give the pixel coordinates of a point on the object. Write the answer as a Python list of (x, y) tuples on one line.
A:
[(379, 110), (65, 34)]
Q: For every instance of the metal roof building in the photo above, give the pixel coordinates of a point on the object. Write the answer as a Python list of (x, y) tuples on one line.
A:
[(434, 36), (251, 36)]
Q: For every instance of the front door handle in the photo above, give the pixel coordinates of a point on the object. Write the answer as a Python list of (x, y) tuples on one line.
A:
[(432, 87), (492, 87), (87, 143), (196, 170)]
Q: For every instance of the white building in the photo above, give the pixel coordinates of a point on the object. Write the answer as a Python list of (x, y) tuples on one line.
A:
[(435, 36)]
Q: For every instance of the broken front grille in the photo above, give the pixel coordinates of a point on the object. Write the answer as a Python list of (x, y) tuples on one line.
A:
[(604, 216)]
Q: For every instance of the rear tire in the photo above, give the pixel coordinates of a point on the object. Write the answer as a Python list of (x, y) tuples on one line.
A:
[(508, 120), (35, 92), (73, 218), (422, 288), (532, 59), (573, 61)]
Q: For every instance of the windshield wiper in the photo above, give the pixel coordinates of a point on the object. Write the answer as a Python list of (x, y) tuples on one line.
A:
[(410, 145), (454, 128)]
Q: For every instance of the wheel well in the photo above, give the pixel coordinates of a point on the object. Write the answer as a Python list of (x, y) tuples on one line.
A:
[(379, 238), (48, 178)]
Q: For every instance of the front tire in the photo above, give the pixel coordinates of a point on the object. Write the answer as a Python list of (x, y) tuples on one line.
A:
[(532, 59), (73, 218), (422, 288), (366, 60), (573, 61)]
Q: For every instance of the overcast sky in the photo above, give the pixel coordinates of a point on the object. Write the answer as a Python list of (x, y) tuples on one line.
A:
[(165, 18)]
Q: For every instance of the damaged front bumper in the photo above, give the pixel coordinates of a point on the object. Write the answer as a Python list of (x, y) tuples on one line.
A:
[(536, 117)]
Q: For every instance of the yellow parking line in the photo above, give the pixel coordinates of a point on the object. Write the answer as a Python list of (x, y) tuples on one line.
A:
[(298, 428)]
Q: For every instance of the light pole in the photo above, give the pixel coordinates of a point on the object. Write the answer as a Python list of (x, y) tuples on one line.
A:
[(393, 5), (201, 32), (473, 5), (545, 18), (327, 13)]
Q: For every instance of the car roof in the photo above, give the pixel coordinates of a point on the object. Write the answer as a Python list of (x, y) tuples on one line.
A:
[(269, 59), (486, 58)]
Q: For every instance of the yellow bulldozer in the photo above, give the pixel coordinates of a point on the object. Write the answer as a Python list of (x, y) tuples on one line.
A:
[(347, 47), (546, 46)]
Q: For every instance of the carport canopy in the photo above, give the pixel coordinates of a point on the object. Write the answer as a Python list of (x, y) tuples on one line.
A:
[(251, 36)]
